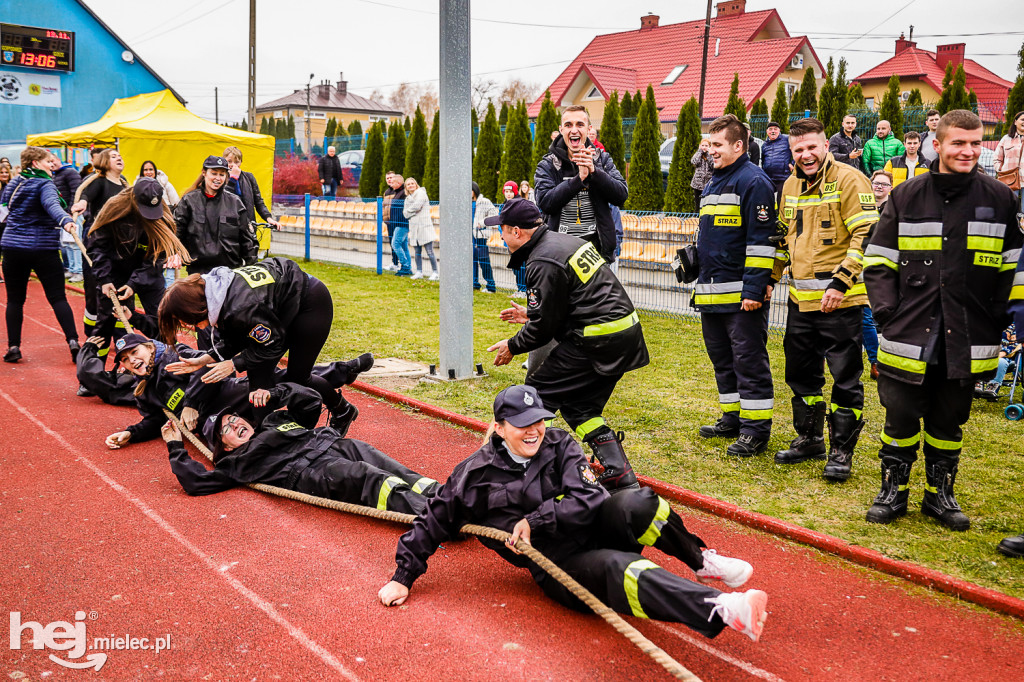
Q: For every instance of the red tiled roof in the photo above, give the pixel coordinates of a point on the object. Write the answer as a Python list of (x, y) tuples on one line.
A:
[(913, 61), (650, 54), (334, 100)]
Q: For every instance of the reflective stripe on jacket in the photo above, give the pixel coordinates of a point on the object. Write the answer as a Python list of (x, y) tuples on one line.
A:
[(897, 165)]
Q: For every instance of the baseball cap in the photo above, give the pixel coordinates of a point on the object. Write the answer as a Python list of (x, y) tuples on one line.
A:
[(511, 184), (126, 343), (216, 162), (211, 430), (519, 212), (773, 124), (520, 406), (149, 198)]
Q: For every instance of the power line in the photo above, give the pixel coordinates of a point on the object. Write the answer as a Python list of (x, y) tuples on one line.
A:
[(156, 28), (185, 23), (875, 26), (502, 21)]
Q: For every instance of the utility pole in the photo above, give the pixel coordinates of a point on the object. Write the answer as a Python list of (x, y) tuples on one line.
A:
[(308, 131), (252, 66), (704, 59), (216, 106)]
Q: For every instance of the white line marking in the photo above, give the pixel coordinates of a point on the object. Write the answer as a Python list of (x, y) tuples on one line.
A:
[(746, 667), (236, 584)]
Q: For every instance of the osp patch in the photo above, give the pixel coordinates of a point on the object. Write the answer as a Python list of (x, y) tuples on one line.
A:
[(260, 333), (532, 298), (762, 213), (587, 474)]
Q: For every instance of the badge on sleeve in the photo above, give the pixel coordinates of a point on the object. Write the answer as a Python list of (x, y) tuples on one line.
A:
[(532, 298), (260, 333), (587, 474), (762, 213)]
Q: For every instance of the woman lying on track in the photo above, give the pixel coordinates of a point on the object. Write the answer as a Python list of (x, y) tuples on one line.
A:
[(535, 483), (258, 313), (287, 451)]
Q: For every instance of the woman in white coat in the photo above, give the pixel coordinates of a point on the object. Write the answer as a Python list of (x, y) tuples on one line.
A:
[(421, 226)]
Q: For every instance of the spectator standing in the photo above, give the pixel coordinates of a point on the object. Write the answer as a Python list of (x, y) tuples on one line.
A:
[(510, 190), (399, 227), (1010, 157), (776, 158), (243, 185), (30, 244), (421, 226), (67, 181), (881, 185), (389, 194), (846, 146), (702, 169), (576, 184), (329, 169), (5, 179), (910, 164), (733, 288), (828, 208), (931, 121), (482, 208), (525, 191), (753, 149), (880, 148), (958, 225)]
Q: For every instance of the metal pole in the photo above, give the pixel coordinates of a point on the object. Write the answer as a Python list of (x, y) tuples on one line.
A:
[(704, 59), (380, 235), (216, 106), (456, 320), (252, 66), (307, 226)]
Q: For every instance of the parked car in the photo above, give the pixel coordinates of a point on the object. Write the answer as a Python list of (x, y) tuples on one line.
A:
[(352, 161)]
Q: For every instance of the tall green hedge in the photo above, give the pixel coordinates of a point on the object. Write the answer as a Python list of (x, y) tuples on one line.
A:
[(890, 109), (611, 132), (487, 161), (780, 108), (372, 174), (735, 105), (432, 169), (394, 151), (645, 182), (416, 153), (679, 195), (517, 159), (547, 121)]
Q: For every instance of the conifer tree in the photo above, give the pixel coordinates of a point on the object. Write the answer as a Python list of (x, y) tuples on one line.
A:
[(890, 109), (373, 163), (780, 108), (547, 121), (855, 97), (611, 132), (281, 129), (355, 128), (416, 154), (943, 104), (291, 127), (432, 169), (914, 99), (735, 105), (809, 92), (503, 115), (679, 195), (474, 125), (330, 130), (407, 125), (645, 182), (655, 116), (1015, 102), (394, 151), (626, 107), (842, 91), (517, 158), (959, 97), (759, 117), (265, 126), (487, 162)]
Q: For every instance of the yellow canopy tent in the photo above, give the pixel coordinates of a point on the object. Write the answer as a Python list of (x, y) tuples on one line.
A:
[(156, 127)]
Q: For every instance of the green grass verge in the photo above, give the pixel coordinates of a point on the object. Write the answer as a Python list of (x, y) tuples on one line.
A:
[(661, 406)]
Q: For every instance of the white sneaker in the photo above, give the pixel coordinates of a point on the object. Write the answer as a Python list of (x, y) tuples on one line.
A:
[(390, 267), (732, 572), (742, 611), (434, 276), (417, 275)]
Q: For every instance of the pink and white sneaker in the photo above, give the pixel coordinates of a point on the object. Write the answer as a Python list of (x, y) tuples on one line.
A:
[(732, 572), (742, 611)]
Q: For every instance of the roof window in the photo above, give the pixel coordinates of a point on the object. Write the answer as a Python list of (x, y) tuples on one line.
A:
[(674, 74)]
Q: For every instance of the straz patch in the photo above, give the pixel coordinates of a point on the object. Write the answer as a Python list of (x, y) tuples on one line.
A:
[(255, 276), (175, 398), (289, 426), (762, 213), (587, 474), (532, 298), (787, 212), (260, 333), (728, 220), (585, 262), (992, 260)]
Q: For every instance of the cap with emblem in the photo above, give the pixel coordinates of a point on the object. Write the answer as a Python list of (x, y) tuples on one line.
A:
[(519, 212), (126, 343), (216, 162), (520, 406), (149, 198)]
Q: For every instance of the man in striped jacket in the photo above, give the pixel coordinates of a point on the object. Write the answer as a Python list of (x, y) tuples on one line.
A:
[(828, 208)]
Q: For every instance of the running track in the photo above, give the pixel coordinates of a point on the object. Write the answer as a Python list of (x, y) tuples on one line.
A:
[(255, 587)]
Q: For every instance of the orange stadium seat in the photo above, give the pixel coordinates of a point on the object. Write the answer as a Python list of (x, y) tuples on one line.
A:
[(632, 251), (630, 221), (649, 223), (655, 253), (671, 225)]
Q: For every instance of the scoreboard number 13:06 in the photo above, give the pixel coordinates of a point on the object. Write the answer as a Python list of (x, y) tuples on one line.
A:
[(37, 48)]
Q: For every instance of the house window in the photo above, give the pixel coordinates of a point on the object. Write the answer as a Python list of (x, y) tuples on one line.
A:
[(593, 93), (374, 119), (674, 74), (869, 102), (790, 90)]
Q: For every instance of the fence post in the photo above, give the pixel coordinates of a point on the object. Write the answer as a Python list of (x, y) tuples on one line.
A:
[(380, 235), (307, 225)]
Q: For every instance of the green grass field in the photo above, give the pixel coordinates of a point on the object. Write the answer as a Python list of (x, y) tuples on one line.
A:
[(661, 406)]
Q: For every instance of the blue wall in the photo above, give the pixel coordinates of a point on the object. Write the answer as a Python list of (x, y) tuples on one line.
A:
[(100, 75)]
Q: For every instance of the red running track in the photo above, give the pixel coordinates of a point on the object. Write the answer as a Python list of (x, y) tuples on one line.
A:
[(255, 587)]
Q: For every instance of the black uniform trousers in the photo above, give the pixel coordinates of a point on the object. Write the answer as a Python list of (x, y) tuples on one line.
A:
[(616, 572), (737, 345), (355, 472), (944, 405), (108, 325), (815, 337), (567, 381)]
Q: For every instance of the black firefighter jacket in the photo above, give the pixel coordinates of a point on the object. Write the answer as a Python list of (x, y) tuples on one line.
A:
[(215, 231), (938, 272), (163, 391), (120, 255), (557, 181), (572, 296)]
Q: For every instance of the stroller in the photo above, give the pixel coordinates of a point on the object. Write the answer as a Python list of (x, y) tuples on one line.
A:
[(1015, 411)]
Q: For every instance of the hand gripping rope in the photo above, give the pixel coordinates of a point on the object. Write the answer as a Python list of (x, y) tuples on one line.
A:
[(119, 312), (674, 668)]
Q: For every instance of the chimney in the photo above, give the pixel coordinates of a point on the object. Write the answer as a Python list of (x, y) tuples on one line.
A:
[(342, 84), (648, 22), (953, 54), (323, 90), (902, 44), (730, 8)]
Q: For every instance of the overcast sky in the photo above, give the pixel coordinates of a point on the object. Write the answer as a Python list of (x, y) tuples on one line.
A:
[(196, 45)]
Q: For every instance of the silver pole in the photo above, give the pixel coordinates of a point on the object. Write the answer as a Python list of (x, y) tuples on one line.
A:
[(456, 321)]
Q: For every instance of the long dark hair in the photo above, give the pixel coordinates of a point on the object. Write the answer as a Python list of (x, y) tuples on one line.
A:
[(163, 242), (1013, 125), (184, 303), (142, 169)]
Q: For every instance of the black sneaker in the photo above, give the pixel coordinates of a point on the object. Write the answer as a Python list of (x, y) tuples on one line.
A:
[(1013, 546), (13, 354), (342, 420), (719, 430), (83, 392), (74, 347), (747, 446)]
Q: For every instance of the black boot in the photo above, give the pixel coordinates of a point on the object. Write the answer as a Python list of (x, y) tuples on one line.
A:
[(720, 429), (939, 501), (342, 417), (891, 502), (843, 429), (747, 446), (13, 354), (607, 446), (74, 347), (809, 422), (1012, 546)]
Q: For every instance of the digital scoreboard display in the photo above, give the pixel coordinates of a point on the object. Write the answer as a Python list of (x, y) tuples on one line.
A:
[(37, 48)]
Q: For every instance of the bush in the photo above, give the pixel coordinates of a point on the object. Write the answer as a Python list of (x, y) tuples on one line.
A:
[(295, 175)]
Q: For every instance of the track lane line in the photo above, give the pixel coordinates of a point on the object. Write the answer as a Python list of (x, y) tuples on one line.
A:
[(745, 666), (297, 633)]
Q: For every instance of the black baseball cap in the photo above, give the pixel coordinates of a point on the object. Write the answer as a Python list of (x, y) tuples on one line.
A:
[(149, 195), (773, 124), (126, 343), (520, 406), (519, 212), (216, 162), (211, 430)]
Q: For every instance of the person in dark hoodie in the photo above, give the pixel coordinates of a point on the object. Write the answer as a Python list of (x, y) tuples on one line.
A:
[(288, 451), (576, 184)]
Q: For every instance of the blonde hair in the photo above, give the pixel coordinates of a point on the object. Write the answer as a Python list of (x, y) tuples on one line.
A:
[(491, 429), (232, 152)]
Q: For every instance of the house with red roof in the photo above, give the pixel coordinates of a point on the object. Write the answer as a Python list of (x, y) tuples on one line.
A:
[(756, 45), (925, 70)]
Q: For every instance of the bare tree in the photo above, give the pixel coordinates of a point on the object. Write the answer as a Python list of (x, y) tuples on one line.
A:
[(429, 102), (403, 98), (483, 92), (517, 89)]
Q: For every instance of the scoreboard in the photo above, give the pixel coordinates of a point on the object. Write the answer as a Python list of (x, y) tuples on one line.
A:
[(37, 48)]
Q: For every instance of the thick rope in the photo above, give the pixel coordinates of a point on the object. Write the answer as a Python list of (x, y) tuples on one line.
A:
[(81, 246), (119, 311), (645, 645)]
